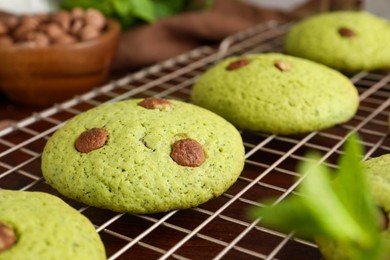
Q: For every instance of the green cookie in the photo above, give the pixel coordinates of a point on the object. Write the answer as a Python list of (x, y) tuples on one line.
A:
[(45, 227), (144, 156), (344, 40), (276, 93), (378, 174)]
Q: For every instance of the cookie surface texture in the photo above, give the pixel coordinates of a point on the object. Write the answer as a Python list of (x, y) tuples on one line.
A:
[(344, 40), (276, 93), (158, 156), (47, 228), (378, 174)]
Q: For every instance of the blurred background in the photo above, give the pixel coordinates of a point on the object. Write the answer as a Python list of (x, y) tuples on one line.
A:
[(379, 7), (151, 31)]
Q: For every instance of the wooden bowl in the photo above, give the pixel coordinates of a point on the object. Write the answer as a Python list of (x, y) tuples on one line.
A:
[(43, 76)]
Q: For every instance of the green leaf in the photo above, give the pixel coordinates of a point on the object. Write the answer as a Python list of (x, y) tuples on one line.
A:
[(339, 209), (319, 197), (164, 8), (123, 8), (144, 10), (123, 12), (351, 180), (291, 216)]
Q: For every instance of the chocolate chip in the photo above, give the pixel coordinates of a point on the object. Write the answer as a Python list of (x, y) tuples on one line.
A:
[(91, 139), (238, 64), (346, 32), (282, 65), (7, 237), (188, 152), (155, 103)]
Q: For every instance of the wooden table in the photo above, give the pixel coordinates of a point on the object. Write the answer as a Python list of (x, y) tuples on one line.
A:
[(219, 228)]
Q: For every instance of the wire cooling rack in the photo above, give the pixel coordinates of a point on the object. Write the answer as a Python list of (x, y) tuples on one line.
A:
[(218, 229)]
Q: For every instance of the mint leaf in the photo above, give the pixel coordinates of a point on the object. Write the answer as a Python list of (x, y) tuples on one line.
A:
[(144, 10), (322, 202), (288, 217), (339, 209), (352, 188), (163, 8)]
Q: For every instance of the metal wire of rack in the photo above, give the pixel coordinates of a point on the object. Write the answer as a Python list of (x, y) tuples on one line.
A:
[(220, 228)]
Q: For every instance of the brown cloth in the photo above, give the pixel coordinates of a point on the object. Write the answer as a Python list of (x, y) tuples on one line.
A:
[(148, 44), (169, 37)]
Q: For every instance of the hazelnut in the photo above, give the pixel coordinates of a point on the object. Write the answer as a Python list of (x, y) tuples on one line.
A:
[(95, 19), (7, 237), (188, 152), (77, 13), (3, 28), (22, 31), (91, 139), (30, 22), (282, 65), (76, 26), (11, 22), (238, 64), (155, 103), (88, 32), (346, 32), (40, 39), (53, 30), (63, 19), (62, 27)]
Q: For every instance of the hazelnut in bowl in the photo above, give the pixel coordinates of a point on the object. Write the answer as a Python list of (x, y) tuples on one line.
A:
[(49, 58)]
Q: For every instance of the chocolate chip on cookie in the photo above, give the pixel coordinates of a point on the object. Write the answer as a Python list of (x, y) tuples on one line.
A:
[(91, 139), (155, 103), (7, 237), (188, 152), (346, 32), (282, 65), (238, 64)]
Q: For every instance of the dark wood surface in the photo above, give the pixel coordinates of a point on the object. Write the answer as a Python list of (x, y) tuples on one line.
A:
[(128, 226), (221, 229), (11, 113)]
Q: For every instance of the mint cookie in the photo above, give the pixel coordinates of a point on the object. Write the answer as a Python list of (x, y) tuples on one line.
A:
[(344, 40), (144, 156), (379, 178), (36, 225), (276, 93)]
